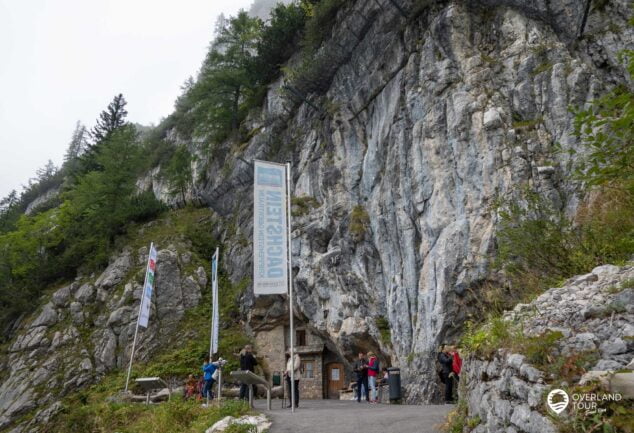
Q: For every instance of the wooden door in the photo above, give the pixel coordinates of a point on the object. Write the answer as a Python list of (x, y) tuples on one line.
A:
[(335, 379)]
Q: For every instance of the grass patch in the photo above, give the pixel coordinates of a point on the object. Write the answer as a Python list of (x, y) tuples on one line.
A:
[(91, 413), (384, 328), (490, 60), (540, 351), (302, 205), (484, 341), (539, 247), (241, 428), (458, 420), (527, 124), (570, 368), (543, 67), (627, 284), (189, 223), (359, 220)]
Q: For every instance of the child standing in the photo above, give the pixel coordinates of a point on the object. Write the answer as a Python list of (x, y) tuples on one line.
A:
[(190, 387)]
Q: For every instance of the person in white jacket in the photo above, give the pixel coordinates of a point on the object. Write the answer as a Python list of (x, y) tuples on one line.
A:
[(297, 373)]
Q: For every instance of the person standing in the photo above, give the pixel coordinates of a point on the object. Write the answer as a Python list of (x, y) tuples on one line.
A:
[(190, 387), (445, 358), (247, 363), (456, 366), (373, 372), (209, 369), (360, 367), (297, 371)]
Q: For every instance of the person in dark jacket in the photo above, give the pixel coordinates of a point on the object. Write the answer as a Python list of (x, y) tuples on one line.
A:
[(247, 363), (360, 368), (445, 359)]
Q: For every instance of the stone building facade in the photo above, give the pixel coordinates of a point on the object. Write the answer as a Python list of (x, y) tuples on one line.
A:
[(319, 365)]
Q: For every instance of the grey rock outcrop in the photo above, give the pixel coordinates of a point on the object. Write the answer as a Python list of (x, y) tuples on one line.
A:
[(115, 271), (79, 336), (507, 392), (85, 294), (42, 200), (47, 317), (588, 310), (61, 297)]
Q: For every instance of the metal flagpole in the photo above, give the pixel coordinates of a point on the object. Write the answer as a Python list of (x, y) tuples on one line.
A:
[(136, 331), (213, 312), (214, 273), (290, 282)]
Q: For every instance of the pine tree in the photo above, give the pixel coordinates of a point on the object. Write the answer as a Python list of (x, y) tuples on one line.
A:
[(225, 85), (9, 211), (46, 172), (78, 143), (110, 119), (179, 173), (101, 203), (280, 39)]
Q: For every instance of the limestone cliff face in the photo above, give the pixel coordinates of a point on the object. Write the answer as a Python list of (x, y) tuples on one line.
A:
[(421, 117), (415, 118)]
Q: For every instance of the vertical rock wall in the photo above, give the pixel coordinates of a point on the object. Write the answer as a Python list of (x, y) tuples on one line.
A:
[(428, 119)]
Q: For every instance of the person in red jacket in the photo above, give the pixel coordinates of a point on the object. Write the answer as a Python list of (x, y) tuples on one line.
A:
[(373, 372), (456, 365)]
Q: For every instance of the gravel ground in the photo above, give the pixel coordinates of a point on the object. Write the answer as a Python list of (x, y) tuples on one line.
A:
[(337, 416)]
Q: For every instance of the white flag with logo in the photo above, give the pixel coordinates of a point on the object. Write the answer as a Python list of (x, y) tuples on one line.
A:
[(146, 300), (270, 253)]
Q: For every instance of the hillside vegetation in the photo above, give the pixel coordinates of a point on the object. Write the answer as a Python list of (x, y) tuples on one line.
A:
[(96, 198)]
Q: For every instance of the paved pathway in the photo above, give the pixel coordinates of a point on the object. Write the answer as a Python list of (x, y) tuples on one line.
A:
[(338, 416)]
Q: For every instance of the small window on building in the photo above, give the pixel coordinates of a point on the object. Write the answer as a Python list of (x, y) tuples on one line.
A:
[(300, 337), (309, 369)]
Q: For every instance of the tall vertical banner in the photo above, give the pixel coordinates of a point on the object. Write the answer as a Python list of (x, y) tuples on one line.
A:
[(146, 301), (215, 313), (270, 225)]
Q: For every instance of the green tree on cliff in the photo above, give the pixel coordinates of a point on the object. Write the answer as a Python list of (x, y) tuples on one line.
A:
[(225, 85), (179, 172), (110, 120), (102, 202)]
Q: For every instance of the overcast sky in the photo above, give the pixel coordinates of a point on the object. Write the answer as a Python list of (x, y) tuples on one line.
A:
[(63, 61)]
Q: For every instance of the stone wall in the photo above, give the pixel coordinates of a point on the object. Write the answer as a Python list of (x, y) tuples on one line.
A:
[(312, 388), (594, 314), (269, 346), (272, 347)]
